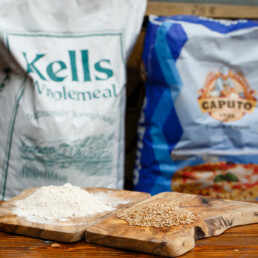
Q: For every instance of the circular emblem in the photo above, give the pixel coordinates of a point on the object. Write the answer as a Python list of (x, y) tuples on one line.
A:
[(226, 96)]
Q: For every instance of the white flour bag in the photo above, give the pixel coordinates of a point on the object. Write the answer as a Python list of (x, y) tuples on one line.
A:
[(62, 91)]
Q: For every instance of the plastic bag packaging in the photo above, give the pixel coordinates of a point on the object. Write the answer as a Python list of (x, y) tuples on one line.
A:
[(198, 128), (62, 91)]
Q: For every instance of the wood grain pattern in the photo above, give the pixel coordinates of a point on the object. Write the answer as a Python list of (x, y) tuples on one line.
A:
[(208, 10), (216, 216), (237, 242), (65, 231), (240, 242)]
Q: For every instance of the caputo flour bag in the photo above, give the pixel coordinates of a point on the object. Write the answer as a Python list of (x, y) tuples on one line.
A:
[(62, 91), (198, 131)]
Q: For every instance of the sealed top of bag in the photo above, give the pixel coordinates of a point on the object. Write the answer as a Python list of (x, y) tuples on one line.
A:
[(218, 25)]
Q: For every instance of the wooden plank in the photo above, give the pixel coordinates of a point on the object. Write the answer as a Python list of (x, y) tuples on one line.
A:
[(71, 230), (215, 216), (235, 242), (207, 10)]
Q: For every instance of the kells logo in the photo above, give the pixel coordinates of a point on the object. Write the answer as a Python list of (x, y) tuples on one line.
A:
[(226, 96), (72, 76)]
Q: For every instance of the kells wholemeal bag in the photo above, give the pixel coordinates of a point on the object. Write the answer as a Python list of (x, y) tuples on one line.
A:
[(62, 91), (198, 132)]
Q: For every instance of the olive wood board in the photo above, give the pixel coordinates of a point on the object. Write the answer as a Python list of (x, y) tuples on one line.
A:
[(71, 230), (215, 216)]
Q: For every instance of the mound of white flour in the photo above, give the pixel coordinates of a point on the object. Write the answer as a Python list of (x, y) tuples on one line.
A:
[(59, 203)]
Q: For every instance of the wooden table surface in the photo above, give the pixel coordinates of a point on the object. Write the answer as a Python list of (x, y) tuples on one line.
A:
[(240, 241)]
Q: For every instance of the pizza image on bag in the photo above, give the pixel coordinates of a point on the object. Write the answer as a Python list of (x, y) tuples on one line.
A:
[(225, 180)]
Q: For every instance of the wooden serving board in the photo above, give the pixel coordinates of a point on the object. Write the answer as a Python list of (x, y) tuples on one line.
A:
[(215, 216), (64, 231)]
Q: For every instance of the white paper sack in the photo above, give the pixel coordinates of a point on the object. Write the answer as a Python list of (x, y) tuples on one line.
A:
[(62, 91)]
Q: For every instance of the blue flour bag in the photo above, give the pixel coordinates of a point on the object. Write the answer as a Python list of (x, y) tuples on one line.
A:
[(198, 131)]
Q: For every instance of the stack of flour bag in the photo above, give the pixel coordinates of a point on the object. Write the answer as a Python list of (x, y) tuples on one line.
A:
[(198, 131), (62, 91)]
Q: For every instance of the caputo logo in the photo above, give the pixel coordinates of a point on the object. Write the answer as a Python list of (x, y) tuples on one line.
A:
[(59, 70), (226, 95)]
